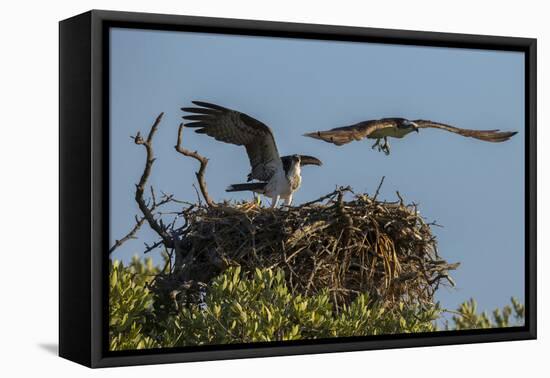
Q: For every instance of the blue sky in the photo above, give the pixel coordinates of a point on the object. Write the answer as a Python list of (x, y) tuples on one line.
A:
[(474, 189)]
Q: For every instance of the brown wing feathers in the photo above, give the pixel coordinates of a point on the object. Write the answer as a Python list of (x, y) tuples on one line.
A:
[(231, 126), (343, 135), (338, 138), (494, 136), (221, 123)]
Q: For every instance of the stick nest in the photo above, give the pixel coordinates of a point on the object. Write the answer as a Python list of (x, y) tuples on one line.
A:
[(345, 246)]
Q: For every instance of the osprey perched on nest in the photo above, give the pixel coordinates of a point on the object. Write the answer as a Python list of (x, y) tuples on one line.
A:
[(278, 177), (398, 128)]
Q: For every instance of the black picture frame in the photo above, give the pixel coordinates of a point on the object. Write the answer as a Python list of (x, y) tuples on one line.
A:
[(84, 200)]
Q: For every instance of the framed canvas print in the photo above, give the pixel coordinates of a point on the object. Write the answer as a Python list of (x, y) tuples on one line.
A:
[(233, 188)]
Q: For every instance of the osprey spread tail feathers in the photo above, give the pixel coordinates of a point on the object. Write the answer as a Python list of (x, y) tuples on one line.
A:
[(257, 187)]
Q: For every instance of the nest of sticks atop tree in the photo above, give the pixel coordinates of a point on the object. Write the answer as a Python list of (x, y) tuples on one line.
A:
[(343, 242), (344, 246)]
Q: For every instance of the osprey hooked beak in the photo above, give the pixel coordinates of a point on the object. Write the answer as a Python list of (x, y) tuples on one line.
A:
[(309, 160)]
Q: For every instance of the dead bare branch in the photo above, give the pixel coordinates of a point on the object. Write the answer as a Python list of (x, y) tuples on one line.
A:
[(130, 235), (203, 163), (140, 187), (140, 221)]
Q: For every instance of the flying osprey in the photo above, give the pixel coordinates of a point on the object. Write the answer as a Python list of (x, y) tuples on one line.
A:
[(278, 177), (399, 128)]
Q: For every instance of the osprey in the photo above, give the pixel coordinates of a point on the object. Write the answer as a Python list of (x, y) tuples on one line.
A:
[(398, 128), (277, 177)]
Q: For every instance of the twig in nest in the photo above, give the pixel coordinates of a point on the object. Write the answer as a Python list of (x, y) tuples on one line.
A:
[(199, 200), (378, 189), (330, 195), (203, 163), (401, 200)]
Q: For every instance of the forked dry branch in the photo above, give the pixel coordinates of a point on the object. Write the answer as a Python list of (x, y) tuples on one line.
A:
[(203, 163)]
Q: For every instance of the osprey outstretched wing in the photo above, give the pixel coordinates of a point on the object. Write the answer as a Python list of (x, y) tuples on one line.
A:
[(231, 126), (399, 128), (494, 136), (279, 176)]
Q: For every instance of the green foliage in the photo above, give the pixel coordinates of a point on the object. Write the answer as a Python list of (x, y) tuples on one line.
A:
[(238, 310), (259, 309), (129, 303), (364, 317), (468, 318), (241, 307)]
